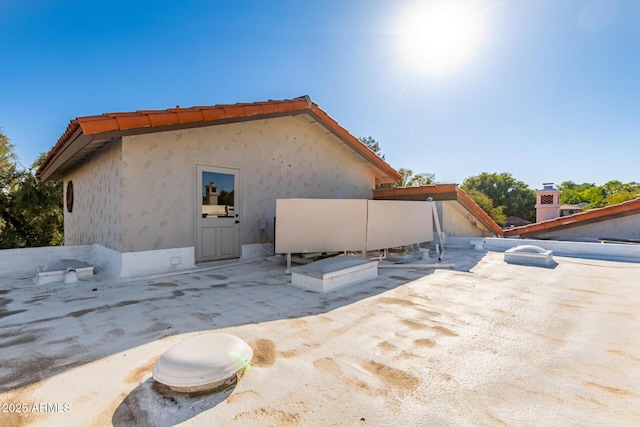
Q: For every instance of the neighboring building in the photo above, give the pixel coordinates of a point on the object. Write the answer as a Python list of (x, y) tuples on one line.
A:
[(460, 216), (568, 209), (172, 187), (514, 221), (620, 222), (547, 202)]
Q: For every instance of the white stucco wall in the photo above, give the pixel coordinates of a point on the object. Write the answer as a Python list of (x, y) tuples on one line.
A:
[(625, 228), (282, 157), (97, 189), (458, 222)]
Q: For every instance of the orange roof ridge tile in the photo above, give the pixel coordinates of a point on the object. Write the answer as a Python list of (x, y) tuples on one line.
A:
[(597, 214), (142, 119)]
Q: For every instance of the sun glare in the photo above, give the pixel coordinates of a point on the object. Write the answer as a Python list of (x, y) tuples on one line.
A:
[(438, 36)]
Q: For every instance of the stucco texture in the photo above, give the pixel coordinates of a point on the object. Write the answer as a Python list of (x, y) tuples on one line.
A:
[(623, 228), (97, 200), (283, 157), (458, 222)]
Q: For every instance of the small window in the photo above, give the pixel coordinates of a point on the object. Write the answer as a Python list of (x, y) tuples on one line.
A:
[(69, 196), (218, 195)]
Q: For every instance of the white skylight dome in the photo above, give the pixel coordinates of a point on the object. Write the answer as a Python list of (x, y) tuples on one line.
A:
[(64, 265), (202, 362), (530, 249), (529, 255)]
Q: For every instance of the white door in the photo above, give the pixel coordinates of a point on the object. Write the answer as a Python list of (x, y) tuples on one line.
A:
[(217, 213)]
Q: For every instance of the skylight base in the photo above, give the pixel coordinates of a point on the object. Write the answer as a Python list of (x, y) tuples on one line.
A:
[(333, 273), (529, 255)]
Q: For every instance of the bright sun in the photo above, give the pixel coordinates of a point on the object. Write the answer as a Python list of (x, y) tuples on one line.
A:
[(438, 36)]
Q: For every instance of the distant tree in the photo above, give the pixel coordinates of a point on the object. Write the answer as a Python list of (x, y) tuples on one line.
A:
[(495, 212), (422, 178), (406, 175), (574, 194), (617, 192), (612, 192), (515, 197), (226, 198), (8, 184), (409, 179), (30, 210), (373, 145)]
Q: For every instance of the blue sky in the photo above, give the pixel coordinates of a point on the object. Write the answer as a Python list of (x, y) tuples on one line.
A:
[(222, 180), (550, 93)]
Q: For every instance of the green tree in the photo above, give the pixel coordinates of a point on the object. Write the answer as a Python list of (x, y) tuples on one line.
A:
[(406, 175), (616, 192), (422, 178), (373, 145), (515, 197), (495, 212), (30, 210), (8, 184), (574, 194), (612, 192), (409, 179)]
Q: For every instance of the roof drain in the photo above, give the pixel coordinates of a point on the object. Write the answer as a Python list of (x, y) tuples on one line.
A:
[(203, 363)]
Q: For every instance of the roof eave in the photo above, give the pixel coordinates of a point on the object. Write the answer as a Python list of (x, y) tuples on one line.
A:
[(82, 131)]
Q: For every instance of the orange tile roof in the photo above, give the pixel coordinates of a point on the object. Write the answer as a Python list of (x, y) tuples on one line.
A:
[(439, 192), (593, 215), (128, 122)]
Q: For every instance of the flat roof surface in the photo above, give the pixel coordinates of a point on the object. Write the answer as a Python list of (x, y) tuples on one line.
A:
[(488, 343)]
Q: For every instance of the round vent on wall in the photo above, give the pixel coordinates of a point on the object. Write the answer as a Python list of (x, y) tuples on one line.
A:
[(69, 196)]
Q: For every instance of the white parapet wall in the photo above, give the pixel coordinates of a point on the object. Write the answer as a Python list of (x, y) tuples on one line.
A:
[(25, 261), (144, 263), (605, 251)]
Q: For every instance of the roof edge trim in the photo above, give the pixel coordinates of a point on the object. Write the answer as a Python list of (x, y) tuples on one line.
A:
[(130, 122)]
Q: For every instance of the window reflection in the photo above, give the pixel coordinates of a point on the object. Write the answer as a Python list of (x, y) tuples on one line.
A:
[(218, 195)]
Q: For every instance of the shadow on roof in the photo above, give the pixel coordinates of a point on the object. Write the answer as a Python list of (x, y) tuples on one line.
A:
[(50, 329)]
